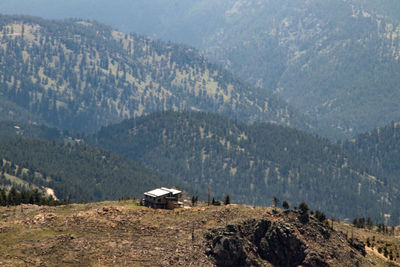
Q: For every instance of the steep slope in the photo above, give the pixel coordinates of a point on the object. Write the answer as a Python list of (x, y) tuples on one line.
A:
[(335, 60), (74, 171), (380, 150), (11, 111), (250, 163), (284, 240), (81, 75), (331, 59)]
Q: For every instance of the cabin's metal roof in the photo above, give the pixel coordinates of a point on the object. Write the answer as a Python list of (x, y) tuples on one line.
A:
[(161, 192), (157, 193), (172, 190)]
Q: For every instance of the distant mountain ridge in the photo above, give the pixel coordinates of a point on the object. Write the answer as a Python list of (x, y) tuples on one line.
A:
[(250, 163), (81, 75), (335, 60)]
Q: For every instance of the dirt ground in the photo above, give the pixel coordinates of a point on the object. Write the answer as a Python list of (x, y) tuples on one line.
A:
[(111, 234), (115, 234)]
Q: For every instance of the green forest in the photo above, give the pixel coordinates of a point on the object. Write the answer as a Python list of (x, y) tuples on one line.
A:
[(75, 171), (251, 163), (14, 198)]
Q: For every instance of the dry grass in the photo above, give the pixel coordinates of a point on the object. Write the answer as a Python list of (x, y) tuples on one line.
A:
[(122, 234), (376, 239), (111, 233)]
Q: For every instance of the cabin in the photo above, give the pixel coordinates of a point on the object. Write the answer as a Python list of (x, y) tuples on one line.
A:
[(163, 198)]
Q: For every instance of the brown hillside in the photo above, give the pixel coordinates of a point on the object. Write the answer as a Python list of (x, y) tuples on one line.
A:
[(124, 234)]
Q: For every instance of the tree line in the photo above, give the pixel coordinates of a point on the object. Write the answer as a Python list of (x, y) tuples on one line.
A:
[(14, 198)]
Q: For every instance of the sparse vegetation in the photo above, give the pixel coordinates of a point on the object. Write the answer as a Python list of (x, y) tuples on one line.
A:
[(77, 234), (362, 223)]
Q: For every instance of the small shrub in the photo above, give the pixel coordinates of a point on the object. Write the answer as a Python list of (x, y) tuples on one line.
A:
[(368, 242), (303, 207), (227, 200), (285, 205), (275, 201), (320, 216)]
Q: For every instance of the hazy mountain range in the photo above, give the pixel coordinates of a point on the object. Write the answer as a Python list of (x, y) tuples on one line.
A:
[(336, 61), (328, 68), (82, 75)]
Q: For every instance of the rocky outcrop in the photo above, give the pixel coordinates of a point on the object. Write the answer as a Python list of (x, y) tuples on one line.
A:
[(283, 240)]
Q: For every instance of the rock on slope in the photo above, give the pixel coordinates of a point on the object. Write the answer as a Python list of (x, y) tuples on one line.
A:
[(283, 240)]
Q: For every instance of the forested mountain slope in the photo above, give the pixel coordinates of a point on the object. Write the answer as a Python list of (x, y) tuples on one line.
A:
[(336, 60), (333, 60), (250, 163), (81, 75), (11, 130), (75, 171), (380, 150)]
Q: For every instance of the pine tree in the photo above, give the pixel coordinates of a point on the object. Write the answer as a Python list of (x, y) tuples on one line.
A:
[(227, 200), (285, 205)]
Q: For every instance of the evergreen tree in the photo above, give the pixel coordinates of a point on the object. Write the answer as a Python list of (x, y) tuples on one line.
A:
[(303, 207), (227, 200), (275, 201), (285, 205)]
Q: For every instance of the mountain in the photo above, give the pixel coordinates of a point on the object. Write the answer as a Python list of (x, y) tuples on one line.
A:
[(336, 60), (75, 171), (81, 75), (333, 60), (380, 150), (250, 163)]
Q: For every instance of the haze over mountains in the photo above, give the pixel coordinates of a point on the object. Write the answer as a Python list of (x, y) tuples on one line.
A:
[(336, 61), (82, 75)]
